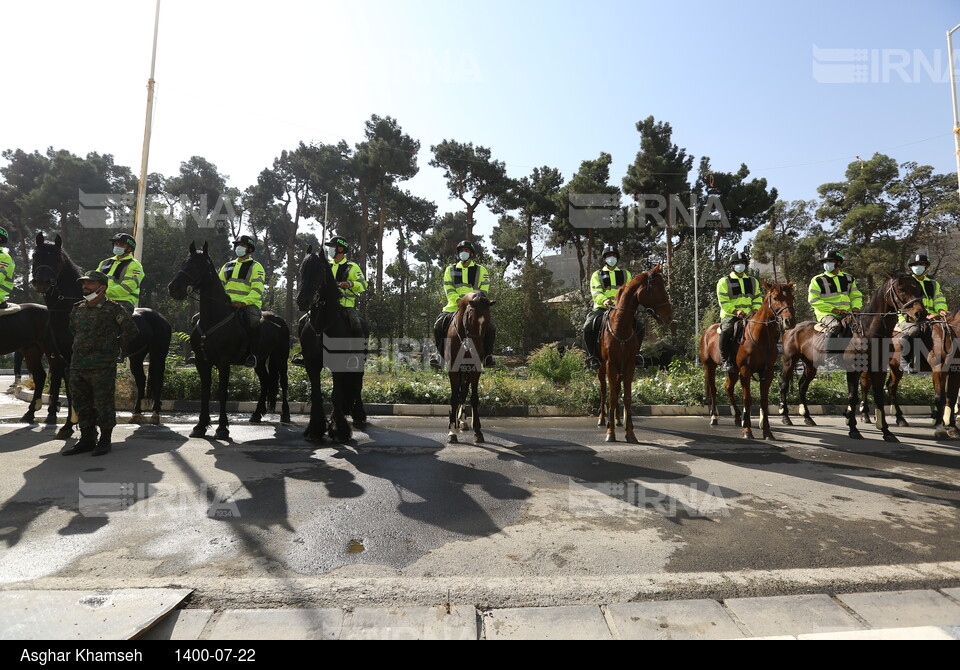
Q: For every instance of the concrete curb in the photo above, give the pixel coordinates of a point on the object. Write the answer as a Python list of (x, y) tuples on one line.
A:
[(521, 411)]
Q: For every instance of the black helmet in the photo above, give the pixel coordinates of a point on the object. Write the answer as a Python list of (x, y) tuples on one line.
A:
[(125, 238), (467, 244), (834, 256), (3, 235), (739, 257), (337, 241), (247, 240), (610, 251), (920, 259)]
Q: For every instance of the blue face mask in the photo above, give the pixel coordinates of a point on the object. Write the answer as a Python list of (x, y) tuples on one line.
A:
[(119, 251), (829, 267), (918, 270), (464, 256), (611, 261), (740, 268), (240, 250)]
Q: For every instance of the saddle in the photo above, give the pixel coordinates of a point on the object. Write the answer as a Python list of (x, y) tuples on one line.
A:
[(739, 330), (12, 308)]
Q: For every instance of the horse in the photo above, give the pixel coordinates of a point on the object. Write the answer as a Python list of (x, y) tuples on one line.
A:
[(464, 354), (52, 274), (757, 354), (215, 344), (619, 344), (327, 329), (25, 329), (862, 351)]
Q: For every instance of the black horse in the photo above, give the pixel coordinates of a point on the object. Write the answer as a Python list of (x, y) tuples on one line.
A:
[(26, 329), (215, 343), (55, 275), (326, 340)]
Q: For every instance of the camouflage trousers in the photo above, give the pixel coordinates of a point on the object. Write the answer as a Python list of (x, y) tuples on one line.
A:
[(93, 395)]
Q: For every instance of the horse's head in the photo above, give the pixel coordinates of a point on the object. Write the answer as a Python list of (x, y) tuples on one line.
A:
[(476, 310), (780, 297), (311, 277), (651, 293), (904, 294), (46, 264), (192, 273)]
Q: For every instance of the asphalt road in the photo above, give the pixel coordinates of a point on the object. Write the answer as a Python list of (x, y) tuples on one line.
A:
[(543, 513)]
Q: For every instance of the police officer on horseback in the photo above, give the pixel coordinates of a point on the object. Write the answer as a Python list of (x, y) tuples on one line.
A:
[(934, 301), (243, 280), (349, 278), (739, 296), (460, 279), (124, 272), (604, 285), (7, 268), (833, 294)]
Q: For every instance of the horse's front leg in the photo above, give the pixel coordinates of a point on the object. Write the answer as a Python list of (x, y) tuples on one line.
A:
[(877, 380), (864, 392), (949, 413), (710, 372), (475, 409), (789, 363), (340, 429), (34, 363), (317, 426), (223, 427), (629, 435), (454, 422), (939, 403), (730, 385), (809, 373), (765, 381), (853, 392), (602, 378), (264, 379), (67, 429)]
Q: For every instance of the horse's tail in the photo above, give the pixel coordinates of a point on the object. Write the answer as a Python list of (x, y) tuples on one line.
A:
[(277, 361), (159, 348)]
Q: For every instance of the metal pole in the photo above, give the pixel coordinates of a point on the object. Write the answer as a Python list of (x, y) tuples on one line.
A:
[(142, 186), (953, 95), (326, 205), (696, 271)]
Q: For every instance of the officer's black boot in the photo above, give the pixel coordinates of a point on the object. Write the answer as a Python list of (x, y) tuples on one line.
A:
[(87, 442), (726, 348), (298, 357), (590, 344), (439, 334), (104, 445), (251, 360)]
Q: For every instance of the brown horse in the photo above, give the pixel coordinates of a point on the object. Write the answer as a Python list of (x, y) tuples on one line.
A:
[(619, 344), (757, 354), (862, 348), (464, 354)]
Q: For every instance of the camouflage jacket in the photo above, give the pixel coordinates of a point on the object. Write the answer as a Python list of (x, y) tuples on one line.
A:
[(98, 333)]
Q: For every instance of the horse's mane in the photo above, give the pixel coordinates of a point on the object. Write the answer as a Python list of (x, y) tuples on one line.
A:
[(877, 309)]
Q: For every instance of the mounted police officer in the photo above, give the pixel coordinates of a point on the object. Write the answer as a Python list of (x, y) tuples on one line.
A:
[(934, 301), (349, 278), (739, 296), (604, 285), (7, 268), (833, 294), (101, 328), (243, 280), (124, 272), (462, 278)]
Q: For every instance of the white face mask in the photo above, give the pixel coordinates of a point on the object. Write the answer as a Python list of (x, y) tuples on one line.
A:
[(611, 261), (740, 268), (918, 269), (240, 250), (829, 267), (464, 256), (119, 251), (90, 297), (331, 252)]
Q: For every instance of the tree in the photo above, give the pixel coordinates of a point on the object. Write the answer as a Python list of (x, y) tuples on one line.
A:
[(536, 199), (779, 242), (860, 207), (472, 175), (508, 238), (23, 174)]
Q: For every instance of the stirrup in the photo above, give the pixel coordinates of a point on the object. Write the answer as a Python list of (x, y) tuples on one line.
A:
[(250, 361), (298, 360), (436, 362), (593, 363)]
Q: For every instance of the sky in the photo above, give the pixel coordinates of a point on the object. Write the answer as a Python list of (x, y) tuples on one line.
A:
[(796, 91)]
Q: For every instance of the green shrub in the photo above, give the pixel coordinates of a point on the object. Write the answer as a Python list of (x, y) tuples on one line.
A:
[(547, 363)]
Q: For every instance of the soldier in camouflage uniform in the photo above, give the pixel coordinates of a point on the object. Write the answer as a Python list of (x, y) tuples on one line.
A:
[(100, 328)]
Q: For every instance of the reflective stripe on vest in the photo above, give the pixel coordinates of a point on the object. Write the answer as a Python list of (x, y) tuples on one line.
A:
[(619, 278), (472, 279), (749, 287), (828, 285)]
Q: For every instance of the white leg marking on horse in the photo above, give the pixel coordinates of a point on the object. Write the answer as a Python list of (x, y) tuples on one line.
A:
[(714, 417), (802, 409), (763, 416), (947, 415)]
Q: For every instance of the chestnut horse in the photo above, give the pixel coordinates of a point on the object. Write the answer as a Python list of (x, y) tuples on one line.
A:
[(464, 354), (862, 349), (619, 344), (757, 354)]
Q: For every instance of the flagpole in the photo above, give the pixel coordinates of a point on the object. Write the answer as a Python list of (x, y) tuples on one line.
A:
[(142, 186)]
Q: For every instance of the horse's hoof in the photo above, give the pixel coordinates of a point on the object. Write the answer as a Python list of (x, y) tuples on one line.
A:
[(27, 418), (748, 435), (359, 425), (808, 421), (786, 421), (714, 422), (464, 426), (890, 437), (941, 434), (954, 433), (50, 420), (619, 423), (285, 420), (222, 434), (198, 432), (855, 435), (632, 439), (256, 419), (478, 438), (902, 423), (452, 439), (136, 418), (610, 438), (65, 433), (154, 419), (768, 436)]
